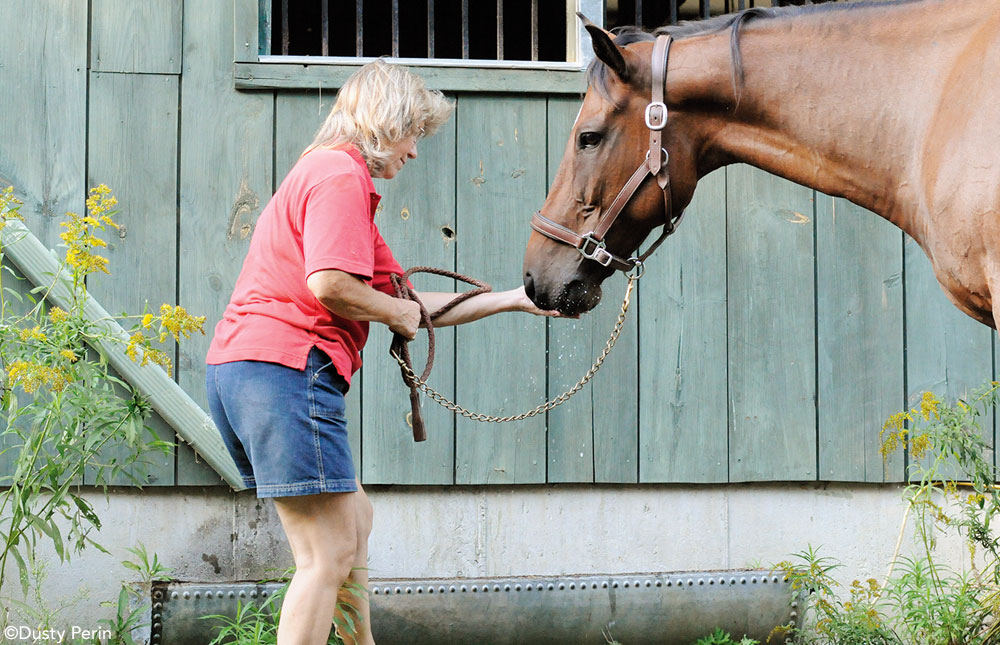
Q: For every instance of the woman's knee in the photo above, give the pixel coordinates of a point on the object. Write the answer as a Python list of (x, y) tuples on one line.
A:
[(363, 515), (329, 564)]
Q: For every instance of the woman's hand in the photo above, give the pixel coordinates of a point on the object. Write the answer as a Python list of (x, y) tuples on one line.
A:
[(524, 303), (407, 319)]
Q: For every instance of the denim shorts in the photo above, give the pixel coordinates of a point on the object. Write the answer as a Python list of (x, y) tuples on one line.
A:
[(285, 428)]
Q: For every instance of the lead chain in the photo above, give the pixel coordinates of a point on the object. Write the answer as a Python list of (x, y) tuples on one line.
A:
[(444, 401)]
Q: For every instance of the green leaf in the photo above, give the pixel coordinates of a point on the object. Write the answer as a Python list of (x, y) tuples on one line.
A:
[(13, 294), (22, 568)]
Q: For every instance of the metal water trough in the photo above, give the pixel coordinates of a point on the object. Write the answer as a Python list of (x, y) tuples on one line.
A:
[(634, 609)]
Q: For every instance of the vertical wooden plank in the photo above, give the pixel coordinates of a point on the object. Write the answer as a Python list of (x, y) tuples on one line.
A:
[(130, 115), (130, 36), (500, 360), (772, 367), (297, 117), (683, 383), (417, 220), (44, 73), (595, 436), (226, 173), (43, 66), (570, 426), (246, 30), (859, 261), (947, 352)]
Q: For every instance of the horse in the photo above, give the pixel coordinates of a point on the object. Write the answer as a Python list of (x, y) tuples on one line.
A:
[(891, 105)]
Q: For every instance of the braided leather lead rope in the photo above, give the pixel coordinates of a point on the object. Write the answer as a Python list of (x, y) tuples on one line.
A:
[(416, 383), (400, 349)]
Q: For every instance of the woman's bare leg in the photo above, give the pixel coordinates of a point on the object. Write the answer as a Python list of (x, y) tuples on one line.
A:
[(322, 531), (358, 597)]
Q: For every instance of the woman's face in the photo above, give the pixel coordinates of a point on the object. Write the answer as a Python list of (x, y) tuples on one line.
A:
[(401, 152)]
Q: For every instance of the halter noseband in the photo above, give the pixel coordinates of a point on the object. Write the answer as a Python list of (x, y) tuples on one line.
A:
[(591, 245)]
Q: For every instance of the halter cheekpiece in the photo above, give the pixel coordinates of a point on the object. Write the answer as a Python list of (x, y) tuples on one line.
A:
[(591, 244)]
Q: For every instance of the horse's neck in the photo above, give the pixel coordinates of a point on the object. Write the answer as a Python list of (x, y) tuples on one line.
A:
[(840, 101)]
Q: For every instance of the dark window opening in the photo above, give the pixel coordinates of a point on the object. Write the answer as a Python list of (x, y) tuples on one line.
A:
[(655, 13), (516, 30)]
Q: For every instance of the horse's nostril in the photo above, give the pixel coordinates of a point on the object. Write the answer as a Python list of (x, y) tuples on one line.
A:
[(529, 286)]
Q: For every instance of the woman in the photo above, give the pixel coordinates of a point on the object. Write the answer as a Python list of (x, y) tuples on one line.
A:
[(282, 357)]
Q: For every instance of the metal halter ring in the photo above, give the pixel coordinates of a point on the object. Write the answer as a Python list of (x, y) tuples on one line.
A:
[(638, 268)]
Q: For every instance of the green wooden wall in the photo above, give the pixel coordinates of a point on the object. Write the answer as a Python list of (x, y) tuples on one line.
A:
[(769, 339)]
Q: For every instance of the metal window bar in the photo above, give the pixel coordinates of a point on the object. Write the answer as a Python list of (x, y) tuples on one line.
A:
[(534, 29), (326, 26), (430, 28), (284, 27), (395, 28), (359, 29), (499, 29), (465, 29)]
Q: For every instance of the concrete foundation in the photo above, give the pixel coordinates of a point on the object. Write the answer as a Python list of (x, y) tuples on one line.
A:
[(210, 534)]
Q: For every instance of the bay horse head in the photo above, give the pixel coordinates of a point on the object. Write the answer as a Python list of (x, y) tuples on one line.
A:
[(626, 163)]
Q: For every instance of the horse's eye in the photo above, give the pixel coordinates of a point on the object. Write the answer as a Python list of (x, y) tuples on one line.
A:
[(589, 139)]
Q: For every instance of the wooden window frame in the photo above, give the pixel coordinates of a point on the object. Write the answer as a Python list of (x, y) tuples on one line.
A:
[(253, 70)]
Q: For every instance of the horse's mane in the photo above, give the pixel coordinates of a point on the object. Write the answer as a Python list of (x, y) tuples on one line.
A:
[(597, 71)]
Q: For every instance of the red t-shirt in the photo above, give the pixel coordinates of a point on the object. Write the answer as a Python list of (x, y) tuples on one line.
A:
[(322, 217)]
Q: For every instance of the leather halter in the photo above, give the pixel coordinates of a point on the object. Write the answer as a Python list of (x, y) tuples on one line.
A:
[(591, 245)]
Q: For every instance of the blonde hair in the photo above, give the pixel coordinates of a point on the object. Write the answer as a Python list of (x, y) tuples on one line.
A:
[(378, 106)]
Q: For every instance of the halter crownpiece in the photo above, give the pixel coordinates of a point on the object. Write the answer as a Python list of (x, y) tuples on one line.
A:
[(591, 244)]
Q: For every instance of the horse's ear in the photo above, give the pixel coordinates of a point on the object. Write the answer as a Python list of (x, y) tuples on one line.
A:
[(606, 50)]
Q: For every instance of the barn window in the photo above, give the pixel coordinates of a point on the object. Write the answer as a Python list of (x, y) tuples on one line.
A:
[(520, 46), (540, 31)]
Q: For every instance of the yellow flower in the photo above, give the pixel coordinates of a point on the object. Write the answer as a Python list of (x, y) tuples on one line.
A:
[(35, 333), (79, 235), (919, 446), (135, 341), (31, 376), (147, 320), (929, 406), (57, 315), (8, 206), (68, 355), (179, 322)]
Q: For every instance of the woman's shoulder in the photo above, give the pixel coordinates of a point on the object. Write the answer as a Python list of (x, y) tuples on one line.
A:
[(330, 162), (320, 166)]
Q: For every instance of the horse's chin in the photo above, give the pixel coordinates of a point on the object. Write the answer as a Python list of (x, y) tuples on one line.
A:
[(577, 298)]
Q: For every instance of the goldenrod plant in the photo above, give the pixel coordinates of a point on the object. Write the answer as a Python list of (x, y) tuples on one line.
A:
[(921, 601), (60, 405)]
